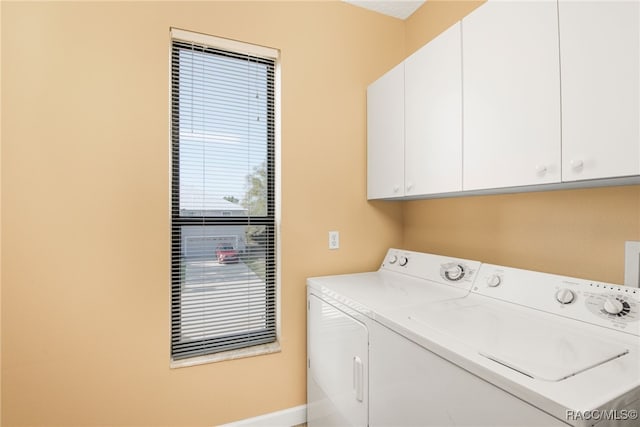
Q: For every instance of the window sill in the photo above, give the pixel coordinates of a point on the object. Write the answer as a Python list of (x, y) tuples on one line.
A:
[(257, 350)]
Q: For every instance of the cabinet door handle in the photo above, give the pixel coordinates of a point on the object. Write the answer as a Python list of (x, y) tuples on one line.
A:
[(577, 165), (541, 170), (396, 188), (357, 378)]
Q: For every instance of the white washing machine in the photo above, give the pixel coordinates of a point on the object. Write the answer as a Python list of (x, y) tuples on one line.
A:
[(523, 348), (342, 321)]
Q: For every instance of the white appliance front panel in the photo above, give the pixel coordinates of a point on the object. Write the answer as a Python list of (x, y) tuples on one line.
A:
[(337, 369), (411, 386), (459, 330), (455, 272), (540, 291)]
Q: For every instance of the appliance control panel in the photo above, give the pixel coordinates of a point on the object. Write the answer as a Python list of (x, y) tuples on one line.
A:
[(604, 304), (436, 268)]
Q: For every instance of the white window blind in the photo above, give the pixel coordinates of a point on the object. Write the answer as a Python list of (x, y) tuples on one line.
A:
[(223, 199)]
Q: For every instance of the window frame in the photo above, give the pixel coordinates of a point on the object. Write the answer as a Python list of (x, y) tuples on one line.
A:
[(252, 346)]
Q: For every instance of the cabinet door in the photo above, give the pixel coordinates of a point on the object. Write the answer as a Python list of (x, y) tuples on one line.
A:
[(337, 370), (433, 116), (511, 84), (385, 135), (599, 57)]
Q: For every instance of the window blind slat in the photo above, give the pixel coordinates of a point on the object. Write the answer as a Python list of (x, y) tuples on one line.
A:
[(223, 200)]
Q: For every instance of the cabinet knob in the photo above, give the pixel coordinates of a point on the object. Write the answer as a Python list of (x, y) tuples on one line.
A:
[(577, 165), (396, 188), (541, 170), (409, 186)]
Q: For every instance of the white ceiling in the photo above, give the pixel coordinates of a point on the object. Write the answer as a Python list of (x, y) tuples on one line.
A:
[(401, 9)]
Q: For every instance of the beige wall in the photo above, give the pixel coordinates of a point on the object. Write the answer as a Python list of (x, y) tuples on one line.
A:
[(432, 18), (85, 230), (85, 202), (578, 233)]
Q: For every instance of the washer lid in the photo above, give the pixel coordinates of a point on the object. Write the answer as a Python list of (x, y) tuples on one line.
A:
[(552, 355), (536, 344)]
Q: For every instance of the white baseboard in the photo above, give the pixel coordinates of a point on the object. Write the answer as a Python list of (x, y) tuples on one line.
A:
[(284, 418)]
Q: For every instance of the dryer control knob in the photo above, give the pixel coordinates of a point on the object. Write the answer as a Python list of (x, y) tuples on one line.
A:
[(565, 296), (612, 306), (403, 261), (393, 259), (494, 280), (453, 272)]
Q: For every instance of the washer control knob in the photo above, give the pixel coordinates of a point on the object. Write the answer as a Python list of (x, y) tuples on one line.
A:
[(565, 296), (494, 280), (393, 259), (403, 261), (612, 306), (453, 271)]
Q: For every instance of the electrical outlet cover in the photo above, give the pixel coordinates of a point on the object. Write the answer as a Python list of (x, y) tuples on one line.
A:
[(632, 264), (334, 240)]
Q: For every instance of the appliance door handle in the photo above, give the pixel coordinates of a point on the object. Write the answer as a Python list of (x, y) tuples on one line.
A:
[(357, 378)]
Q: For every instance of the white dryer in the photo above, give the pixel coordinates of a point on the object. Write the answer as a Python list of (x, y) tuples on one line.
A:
[(342, 320)]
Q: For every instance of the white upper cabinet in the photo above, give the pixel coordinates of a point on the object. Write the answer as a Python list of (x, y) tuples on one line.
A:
[(433, 116), (599, 57), (511, 84), (385, 135), (520, 93)]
